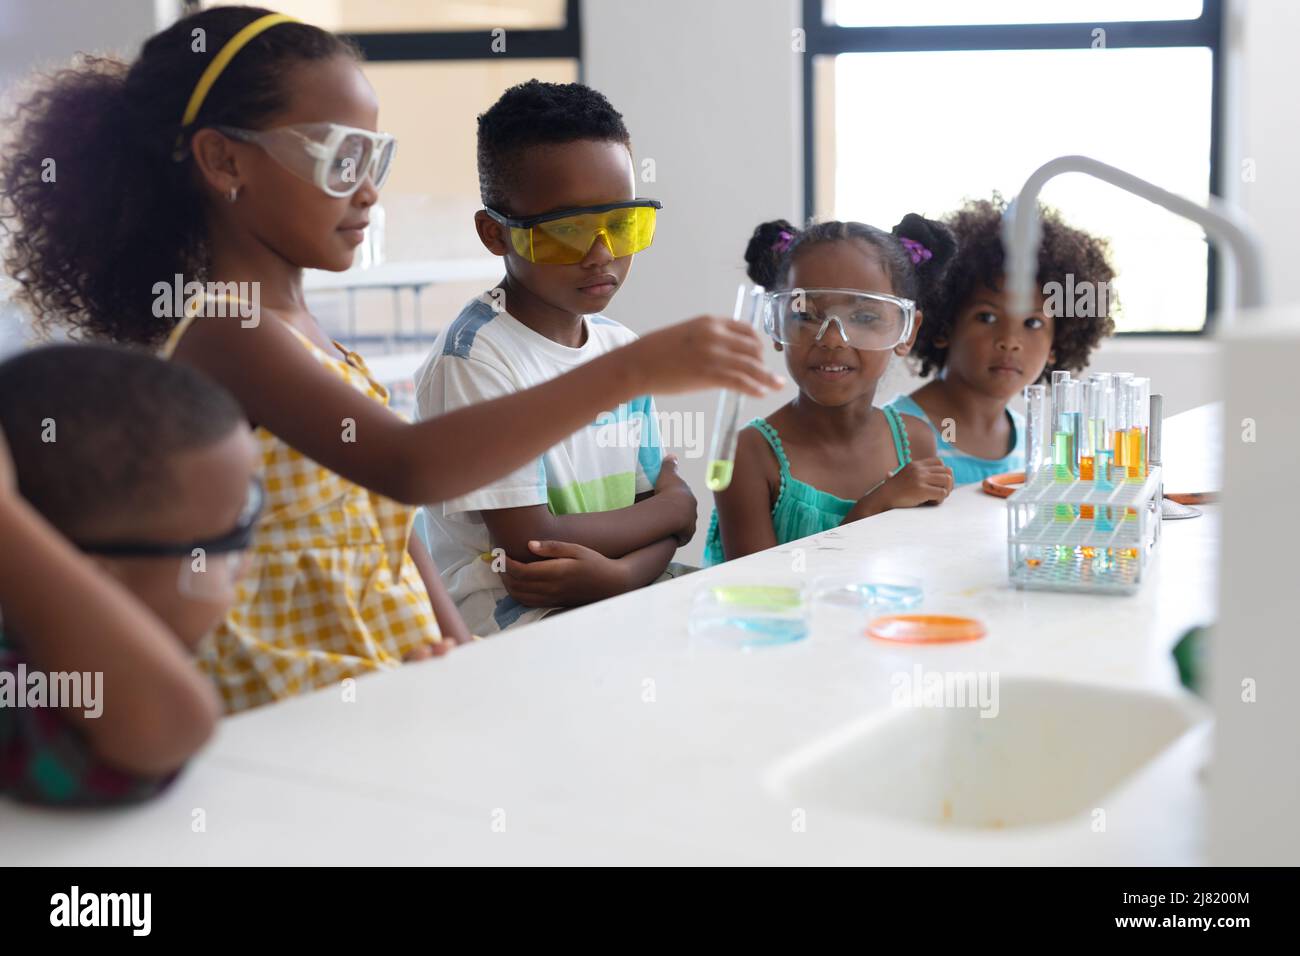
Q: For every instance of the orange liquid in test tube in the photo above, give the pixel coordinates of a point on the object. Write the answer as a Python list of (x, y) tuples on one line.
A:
[(1120, 456), (1135, 458), (1085, 474)]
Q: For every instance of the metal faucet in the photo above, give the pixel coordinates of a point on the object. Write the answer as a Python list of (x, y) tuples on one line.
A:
[(1222, 222)]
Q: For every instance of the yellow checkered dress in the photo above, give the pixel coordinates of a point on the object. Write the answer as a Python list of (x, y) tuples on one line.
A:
[(331, 591)]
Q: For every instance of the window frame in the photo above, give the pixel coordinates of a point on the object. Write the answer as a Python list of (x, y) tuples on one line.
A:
[(549, 43), (826, 39)]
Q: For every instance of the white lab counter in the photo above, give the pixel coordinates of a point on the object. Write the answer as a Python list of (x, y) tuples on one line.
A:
[(607, 734)]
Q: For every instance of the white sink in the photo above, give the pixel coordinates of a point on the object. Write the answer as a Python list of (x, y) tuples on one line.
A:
[(1051, 752)]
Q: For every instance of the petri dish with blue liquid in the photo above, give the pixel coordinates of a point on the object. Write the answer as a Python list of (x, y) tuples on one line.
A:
[(844, 601), (868, 592), (750, 616)]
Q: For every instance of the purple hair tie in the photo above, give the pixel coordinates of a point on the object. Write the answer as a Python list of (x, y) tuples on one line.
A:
[(783, 240), (917, 251)]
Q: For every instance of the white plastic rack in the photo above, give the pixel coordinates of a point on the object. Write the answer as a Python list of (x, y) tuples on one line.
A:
[(1080, 536)]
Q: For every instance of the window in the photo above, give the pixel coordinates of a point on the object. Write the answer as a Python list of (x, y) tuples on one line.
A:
[(368, 17), (917, 107)]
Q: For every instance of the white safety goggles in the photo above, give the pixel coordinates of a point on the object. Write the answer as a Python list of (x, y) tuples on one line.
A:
[(335, 159)]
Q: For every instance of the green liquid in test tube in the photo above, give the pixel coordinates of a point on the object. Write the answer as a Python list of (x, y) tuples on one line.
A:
[(719, 476), (1063, 453), (726, 424)]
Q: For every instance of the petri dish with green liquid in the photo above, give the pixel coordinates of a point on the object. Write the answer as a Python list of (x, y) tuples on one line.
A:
[(750, 616)]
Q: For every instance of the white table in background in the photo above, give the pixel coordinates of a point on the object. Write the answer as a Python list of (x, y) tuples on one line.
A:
[(395, 276)]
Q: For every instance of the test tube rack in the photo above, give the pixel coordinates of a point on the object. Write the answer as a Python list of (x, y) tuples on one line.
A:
[(1080, 535)]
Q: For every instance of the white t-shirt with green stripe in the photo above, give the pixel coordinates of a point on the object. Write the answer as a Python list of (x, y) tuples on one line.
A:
[(485, 354)]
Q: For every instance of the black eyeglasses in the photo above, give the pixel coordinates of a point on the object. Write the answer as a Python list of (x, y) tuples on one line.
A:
[(237, 539)]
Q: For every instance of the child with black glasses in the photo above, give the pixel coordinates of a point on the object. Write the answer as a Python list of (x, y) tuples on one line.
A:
[(126, 513)]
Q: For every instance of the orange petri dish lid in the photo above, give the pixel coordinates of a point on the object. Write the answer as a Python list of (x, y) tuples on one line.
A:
[(925, 628)]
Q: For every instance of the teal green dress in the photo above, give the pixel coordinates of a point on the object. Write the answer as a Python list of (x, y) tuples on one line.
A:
[(967, 469), (801, 509)]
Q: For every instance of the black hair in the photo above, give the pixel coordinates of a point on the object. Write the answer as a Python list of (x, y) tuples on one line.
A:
[(1063, 250), (117, 417), (98, 199), (774, 245), (538, 114)]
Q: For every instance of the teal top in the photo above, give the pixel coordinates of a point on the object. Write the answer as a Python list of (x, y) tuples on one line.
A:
[(967, 469), (801, 509)]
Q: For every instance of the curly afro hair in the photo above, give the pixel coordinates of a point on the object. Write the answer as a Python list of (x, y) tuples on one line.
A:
[(538, 114), (98, 200), (1063, 251)]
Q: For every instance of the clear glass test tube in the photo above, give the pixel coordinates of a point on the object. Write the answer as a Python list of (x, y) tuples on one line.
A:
[(1087, 434), (1038, 428), (1069, 419), (726, 423), (1137, 399), (1065, 447), (1098, 411), (1119, 412), (1087, 438), (1058, 377)]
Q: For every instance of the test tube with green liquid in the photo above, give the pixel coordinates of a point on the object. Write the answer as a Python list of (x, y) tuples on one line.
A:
[(726, 424), (1069, 422), (1062, 460), (1065, 442), (1098, 410)]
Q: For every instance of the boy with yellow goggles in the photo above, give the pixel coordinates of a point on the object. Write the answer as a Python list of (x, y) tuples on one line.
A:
[(565, 236)]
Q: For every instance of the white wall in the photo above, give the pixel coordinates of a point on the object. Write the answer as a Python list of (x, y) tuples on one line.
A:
[(1264, 131), (43, 33), (710, 91)]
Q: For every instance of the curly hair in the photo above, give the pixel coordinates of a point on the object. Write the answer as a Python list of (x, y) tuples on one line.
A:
[(1063, 251), (538, 114), (98, 198), (774, 245)]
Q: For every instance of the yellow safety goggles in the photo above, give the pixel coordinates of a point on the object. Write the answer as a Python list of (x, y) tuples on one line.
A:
[(564, 237)]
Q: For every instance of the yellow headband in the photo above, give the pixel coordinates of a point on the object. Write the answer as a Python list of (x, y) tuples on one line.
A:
[(223, 58)]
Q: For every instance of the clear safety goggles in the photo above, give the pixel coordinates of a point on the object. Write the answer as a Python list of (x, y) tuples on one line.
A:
[(336, 159), (566, 236), (869, 321)]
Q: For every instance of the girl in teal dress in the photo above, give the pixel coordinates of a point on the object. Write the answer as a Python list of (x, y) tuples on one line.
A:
[(843, 298)]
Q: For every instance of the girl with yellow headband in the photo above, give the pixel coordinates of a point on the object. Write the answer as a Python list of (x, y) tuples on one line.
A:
[(242, 147)]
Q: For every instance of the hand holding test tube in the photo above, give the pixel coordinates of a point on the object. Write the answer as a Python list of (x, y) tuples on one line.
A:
[(726, 424)]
